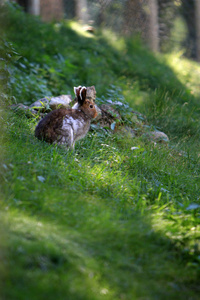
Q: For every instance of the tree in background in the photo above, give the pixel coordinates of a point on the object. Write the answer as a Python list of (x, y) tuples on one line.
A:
[(153, 38), (197, 26), (190, 10), (101, 14), (142, 17), (69, 9), (82, 10), (135, 18), (167, 11), (187, 10)]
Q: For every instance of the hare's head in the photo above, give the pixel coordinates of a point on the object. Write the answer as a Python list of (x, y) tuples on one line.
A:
[(80, 95), (85, 101), (86, 105), (89, 108)]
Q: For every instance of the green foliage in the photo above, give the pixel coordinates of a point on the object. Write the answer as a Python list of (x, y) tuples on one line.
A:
[(120, 217), (7, 56)]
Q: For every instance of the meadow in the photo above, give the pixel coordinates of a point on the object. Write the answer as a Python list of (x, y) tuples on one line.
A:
[(118, 218)]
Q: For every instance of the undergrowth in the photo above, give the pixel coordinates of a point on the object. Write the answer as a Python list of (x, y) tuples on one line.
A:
[(119, 217)]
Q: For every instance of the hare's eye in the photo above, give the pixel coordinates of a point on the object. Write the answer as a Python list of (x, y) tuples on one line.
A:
[(91, 106)]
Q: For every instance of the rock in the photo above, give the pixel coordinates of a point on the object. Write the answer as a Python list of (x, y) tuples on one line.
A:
[(157, 136), (62, 101), (45, 104), (89, 29), (91, 92)]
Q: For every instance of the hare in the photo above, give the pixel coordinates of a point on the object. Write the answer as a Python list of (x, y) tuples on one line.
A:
[(66, 126), (91, 95)]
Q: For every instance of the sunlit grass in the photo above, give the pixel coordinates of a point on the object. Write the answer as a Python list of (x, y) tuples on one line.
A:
[(80, 29), (187, 71), (115, 41)]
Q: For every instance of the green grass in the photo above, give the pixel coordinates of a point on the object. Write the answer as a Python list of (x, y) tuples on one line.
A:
[(104, 222)]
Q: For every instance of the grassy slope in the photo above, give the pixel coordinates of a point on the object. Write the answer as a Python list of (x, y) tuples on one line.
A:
[(106, 222)]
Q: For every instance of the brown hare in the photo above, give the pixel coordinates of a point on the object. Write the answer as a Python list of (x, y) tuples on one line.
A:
[(66, 126)]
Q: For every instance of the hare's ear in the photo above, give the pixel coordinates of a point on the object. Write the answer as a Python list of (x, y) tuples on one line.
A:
[(83, 94), (77, 90)]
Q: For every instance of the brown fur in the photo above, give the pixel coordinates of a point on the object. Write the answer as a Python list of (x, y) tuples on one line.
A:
[(50, 127), (46, 128)]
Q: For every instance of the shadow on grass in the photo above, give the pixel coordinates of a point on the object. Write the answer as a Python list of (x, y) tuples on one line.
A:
[(100, 256)]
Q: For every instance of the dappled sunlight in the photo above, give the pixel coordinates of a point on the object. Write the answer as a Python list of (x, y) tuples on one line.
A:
[(80, 29), (187, 71), (115, 41), (183, 231), (135, 95)]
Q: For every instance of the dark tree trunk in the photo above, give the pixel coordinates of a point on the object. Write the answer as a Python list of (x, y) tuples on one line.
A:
[(141, 16), (197, 20), (153, 25), (188, 12)]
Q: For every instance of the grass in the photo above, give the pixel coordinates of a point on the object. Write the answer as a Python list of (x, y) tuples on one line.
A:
[(107, 221)]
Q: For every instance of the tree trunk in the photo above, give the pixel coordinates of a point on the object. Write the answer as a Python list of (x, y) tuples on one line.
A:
[(197, 22), (101, 12), (81, 11), (141, 16), (34, 7), (134, 17), (69, 8), (153, 25), (188, 12)]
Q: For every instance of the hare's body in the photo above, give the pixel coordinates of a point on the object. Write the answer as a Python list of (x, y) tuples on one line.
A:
[(63, 126), (66, 126)]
